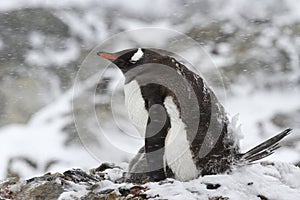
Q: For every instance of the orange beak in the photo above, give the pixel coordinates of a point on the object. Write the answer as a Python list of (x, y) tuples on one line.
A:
[(107, 56)]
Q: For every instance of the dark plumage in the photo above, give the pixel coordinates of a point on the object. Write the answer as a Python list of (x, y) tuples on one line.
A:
[(178, 113)]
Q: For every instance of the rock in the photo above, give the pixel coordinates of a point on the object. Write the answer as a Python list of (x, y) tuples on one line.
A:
[(19, 33), (16, 27), (11, 169), (287, 119), (218, 198), (40, 190)]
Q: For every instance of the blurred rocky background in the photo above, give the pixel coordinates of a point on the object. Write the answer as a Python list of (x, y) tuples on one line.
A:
[(255, 46)]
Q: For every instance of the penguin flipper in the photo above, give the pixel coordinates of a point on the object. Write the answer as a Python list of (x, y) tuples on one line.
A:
[(264, 149)]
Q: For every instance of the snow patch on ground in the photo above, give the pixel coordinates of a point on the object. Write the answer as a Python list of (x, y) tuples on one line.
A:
[(42, 140), (278, 181)]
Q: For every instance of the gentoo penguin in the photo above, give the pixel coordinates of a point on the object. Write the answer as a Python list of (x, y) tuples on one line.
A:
[(186, 129)]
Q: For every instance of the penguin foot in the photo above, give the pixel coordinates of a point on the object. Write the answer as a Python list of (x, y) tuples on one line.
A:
[(153, 176)]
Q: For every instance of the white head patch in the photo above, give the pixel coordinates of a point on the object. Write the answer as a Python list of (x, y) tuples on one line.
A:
[(138, 54)]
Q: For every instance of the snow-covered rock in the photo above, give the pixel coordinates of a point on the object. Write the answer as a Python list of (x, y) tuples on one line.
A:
[(258, 181)]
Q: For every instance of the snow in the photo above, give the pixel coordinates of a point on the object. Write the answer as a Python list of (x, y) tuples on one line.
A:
[(78, 191), (236, 129), (41, 140), (51, 57), (113, 174), (279, 181), (276, 181), (252, 109)]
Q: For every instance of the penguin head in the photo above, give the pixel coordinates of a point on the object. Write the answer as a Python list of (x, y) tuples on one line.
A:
[(130, 58)]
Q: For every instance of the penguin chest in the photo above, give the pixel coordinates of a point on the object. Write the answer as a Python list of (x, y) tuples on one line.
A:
[(178, 155), (136, 106)]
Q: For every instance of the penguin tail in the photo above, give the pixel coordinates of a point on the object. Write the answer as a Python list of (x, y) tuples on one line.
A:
[(264, 149)]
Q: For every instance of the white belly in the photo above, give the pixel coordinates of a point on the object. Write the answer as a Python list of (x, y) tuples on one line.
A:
[(136, 106), (178, 155)]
